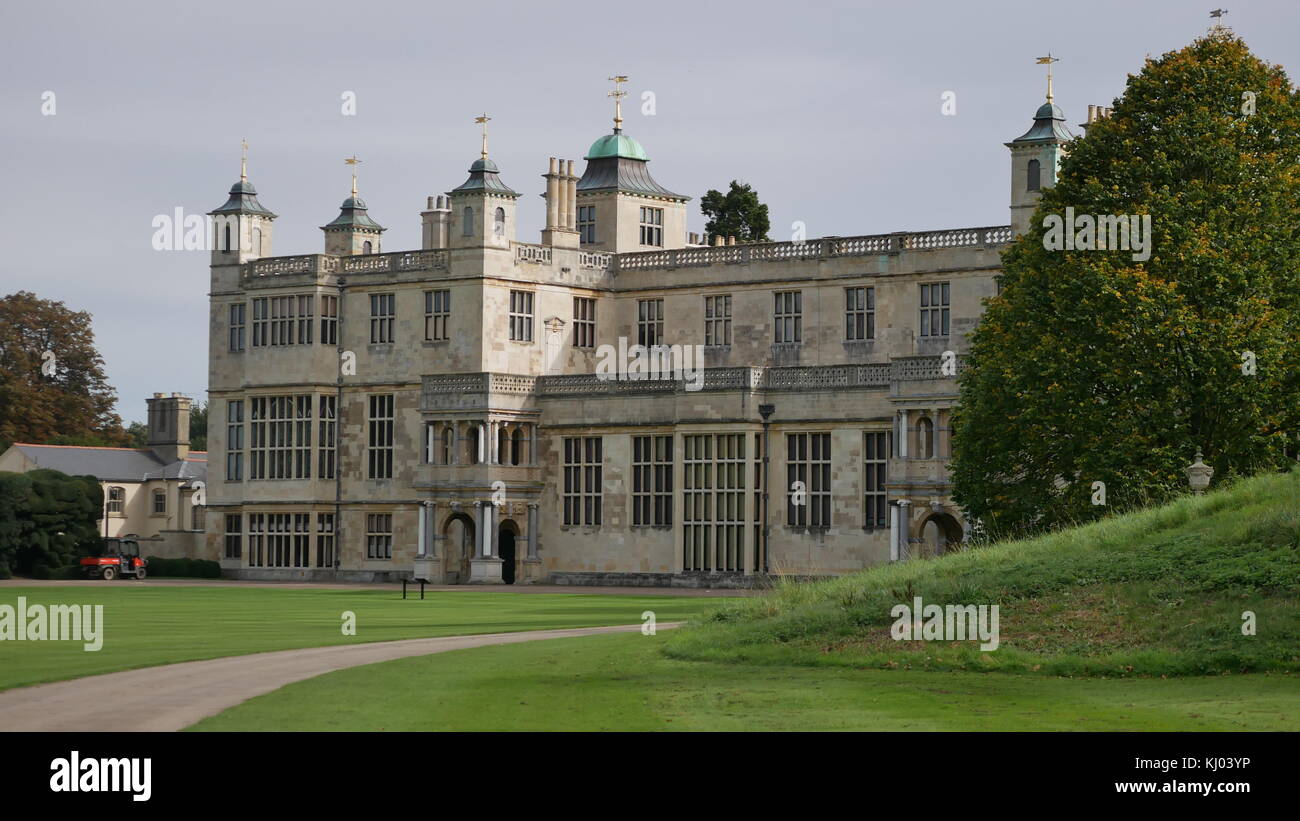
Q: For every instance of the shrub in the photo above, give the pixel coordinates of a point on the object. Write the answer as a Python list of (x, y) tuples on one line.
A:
[(184, 568)]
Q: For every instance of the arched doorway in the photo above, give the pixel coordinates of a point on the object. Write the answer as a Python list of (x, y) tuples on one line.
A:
[(458, 547), (506, 550), (940, 533)]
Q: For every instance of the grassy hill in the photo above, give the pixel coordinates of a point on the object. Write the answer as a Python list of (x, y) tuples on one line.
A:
[(1159, 592)]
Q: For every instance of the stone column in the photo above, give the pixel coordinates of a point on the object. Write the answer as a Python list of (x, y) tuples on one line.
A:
[(431, 530), (421, 530), (902, 434), (482, 442), (893, 533), (532, 529), (904, 529)]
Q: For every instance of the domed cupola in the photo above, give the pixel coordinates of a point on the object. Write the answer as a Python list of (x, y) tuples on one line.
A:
[(621, 207), (353, 231), (1036, 156), (241, 227), (483, 206)]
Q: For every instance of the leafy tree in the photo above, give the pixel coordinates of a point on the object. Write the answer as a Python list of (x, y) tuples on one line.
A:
[(74, 400), (199, 426), (137, 434), (738, 213), (47, 520), (1093, 367)]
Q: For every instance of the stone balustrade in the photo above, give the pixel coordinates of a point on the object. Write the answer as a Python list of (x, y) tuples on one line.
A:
[(827, 247), (318, 264), (796, 378)]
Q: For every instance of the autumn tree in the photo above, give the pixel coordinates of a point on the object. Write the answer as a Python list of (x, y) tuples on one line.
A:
[(738, 213), (52, 381), (1091, 366)]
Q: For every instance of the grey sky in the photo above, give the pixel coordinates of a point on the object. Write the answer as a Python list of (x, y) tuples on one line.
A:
[(830, 109)]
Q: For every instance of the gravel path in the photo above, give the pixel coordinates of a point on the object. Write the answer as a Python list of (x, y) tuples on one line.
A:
[(174, 696)]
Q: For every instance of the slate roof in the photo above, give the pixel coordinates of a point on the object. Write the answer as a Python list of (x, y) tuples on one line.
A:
[(243, 200), (352, 214), (623, 174), (1049, 124), (114, 464), (485, 176)]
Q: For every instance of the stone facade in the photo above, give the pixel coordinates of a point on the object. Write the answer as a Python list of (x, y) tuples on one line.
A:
[(443, 412)]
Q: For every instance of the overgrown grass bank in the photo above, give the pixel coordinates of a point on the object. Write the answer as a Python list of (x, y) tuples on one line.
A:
[(1160, 592)]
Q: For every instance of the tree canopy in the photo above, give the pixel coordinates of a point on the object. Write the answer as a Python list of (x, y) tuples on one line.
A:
[(1090, 366), (52, 381), (738, 213)]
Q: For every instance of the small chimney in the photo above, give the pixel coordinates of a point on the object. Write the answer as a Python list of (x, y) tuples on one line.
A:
[(435, 224), (719, 241), (731, 240)]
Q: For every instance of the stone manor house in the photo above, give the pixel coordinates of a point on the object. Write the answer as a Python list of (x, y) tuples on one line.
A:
[(437, 412)]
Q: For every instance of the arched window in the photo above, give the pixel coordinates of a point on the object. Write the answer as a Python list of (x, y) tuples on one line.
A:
[(516, 447), (366, 247), (1035, 174), (467, 222), (257, 241), (499, 223), (116, 498), (925, 438), (503, 446), (447, 437), (226, 248)]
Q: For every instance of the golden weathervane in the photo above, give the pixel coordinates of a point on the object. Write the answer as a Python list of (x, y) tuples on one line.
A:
[(354, 162), (618, 94), (483, 120), (1047, 61)]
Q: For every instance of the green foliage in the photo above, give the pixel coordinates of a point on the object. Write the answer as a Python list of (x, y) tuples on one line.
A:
[(48, 520), (199, 426), (738, 213), (1093, 367), (76, 400), (137, 434), (183, 568)]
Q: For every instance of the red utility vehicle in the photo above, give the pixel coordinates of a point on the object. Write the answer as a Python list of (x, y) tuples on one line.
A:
[(121, 558)]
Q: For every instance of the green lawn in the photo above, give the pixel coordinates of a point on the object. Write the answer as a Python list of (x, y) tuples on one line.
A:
[(146, 626), (625, 682)]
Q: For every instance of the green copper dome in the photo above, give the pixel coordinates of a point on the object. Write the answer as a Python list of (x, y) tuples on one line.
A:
[(616, 145)]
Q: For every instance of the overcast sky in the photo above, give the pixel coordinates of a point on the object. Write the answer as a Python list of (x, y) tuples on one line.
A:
[(832, 110)]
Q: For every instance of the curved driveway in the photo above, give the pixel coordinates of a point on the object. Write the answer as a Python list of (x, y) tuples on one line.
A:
[(174, 696)]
